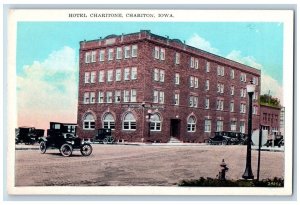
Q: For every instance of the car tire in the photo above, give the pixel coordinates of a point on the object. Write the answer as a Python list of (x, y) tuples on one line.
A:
[(86, 150), (66, 150), (224, 142), (43, 147)]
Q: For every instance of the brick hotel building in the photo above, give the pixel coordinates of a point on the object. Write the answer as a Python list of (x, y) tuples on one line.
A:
[(189, 93)]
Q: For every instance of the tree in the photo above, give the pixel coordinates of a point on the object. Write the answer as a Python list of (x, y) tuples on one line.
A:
[(269, 100)]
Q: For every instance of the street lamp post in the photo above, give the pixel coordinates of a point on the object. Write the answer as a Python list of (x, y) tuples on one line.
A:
[(248, 170), (149, 114)]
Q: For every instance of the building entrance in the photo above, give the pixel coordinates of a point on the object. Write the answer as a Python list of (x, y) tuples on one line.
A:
[(175, 128)]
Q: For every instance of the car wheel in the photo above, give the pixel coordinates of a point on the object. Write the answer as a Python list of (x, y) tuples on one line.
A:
[(43, 147), (86, 149), (110, 139), (66, 150), (224, 142), (105, 140)]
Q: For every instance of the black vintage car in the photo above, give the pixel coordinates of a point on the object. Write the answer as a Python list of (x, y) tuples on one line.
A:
[(278, 141), (104, 136), (28, 135), (228, 138), (63, 137)]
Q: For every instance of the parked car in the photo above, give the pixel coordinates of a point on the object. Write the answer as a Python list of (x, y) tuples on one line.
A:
[(104, 136), (228, 138), (28, 135), (278, 141), (219, 138), (63, 137)]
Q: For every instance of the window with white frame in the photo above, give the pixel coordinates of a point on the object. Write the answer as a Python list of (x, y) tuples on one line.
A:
[(134, 51), (110, 54), (108, 121), (110, 75), (242, 126), (233, 125), (155, 122), (127, 52), (231, 106), (191, 124), (255, 96), (86, 98), (243, 77), (93, 76), (92, 97), (220, 70), (192, 78), (207, 85), (87, 57), (126, 95), (93, 60), (232, 90), (255, 80), (255, 110), (193, 101), (118, 74), (192, 62), (196, 82), (133, 95), (196, 63), (161, 75), (207, 68), (161, 97), (162, 54), (101, 97), (117, 96), (156, 52), (220, 104), (129, 122), (232, 74), (119, 53), (219, 125), (177, 58), (102, 55), (176, 99), (243, 92), (156, 74), (206, 103), (89, 122), (220, 87), (207, 125), (109, 97), (127, 74), (86, 77), (133, 73), (177, 78), (155, 96), (242, 108), (101, 76)]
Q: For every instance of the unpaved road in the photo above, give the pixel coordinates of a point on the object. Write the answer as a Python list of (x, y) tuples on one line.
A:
[(125, 165)]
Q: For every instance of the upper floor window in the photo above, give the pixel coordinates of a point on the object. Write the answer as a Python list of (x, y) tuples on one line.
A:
[(207, 125), (87, 57), (101, 97), (159, 75), (177, 78), (192, 63), (193, 101), (220, 70), (118, 74), (92, 97), (133, 73), (207, 85), (126, 95), (102, 55), (196, 63), (255, 80), (127, 51), (231, 106), (243, 108), (109, 98), (127, 74), (159, 53), (86, 98), (158, 97), (93, 59), (101, 76), (243, 77), (156, 52), (207, 68), (86, 77), (109, 75), (220, 87), (133, 95), (232, 74), (162, 54), (117, 96), (110, 54), (206, 103), (177, 58), (220, 104), (219, 125), (119, 53), (232, 90), (134, 51), (176, 99), (93, 76)]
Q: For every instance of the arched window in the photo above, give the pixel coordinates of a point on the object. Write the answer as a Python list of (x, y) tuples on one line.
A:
[(108, 121), (191, 124), (155, 123), (129, 122), (89, 122)]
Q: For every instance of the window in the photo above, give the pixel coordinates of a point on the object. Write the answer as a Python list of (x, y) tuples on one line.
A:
[(162, 54), (242, 126), (101, 76), (87, 57), (220, 70), (155, 96), (109, 75), (255, 110), (108, 121), (177, 58), (191, 124), (118, 74), (192, 63), (126, 95), (155, 124), (110, 54), (92, 97), (127, 51), (119, 53), (127, 74), (207, 67), (231, 106), (133, 95), (129, 122), (102, 55), (93, 77), (232, 90), (255, 96), (196, 82), (134, 51), (176, 99), (161, 75), (93, 56), (233, 125), (243, 108), (255, 80), (101, 97), (86, 77), (243, 77), (191, 81), (86, 98), (219, 125), (243, 92), (220, 87), (206, 103), (161, 97), (193, 101), (207, 125), (207, 85), (232, 74), (117, 96), (156, 52), (156, 74), (220, 104), (196, 63), (109, 97), (89, 122), (177, 78), (134, 73)]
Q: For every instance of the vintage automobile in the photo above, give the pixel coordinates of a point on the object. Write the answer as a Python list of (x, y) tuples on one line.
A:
[(63, 137), (228, 138), (28, 135), (219, 138), (104, 136), (278, 141)]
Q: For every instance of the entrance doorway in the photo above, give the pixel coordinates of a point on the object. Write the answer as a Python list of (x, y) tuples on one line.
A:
[(175, 128)]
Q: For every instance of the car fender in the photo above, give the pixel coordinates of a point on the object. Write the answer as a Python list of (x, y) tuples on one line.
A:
[(42, 139)]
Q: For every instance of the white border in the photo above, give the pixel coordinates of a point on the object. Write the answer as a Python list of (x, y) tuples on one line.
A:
[(284, 16)]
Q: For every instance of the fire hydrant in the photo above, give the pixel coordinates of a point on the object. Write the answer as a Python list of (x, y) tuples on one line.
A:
[(223, 170)]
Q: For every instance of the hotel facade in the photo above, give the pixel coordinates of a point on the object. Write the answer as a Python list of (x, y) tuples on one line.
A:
[(187, 93)]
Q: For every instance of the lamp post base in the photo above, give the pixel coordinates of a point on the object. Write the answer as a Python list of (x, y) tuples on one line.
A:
[(248, 174)]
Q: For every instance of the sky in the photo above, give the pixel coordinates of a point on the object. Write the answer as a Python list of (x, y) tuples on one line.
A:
[(47, 58)]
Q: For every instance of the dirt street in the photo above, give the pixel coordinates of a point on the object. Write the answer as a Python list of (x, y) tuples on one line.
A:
[(151, 165)]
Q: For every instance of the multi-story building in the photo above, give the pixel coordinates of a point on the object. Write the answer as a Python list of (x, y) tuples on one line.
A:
[(270, 117), (189, 93)]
